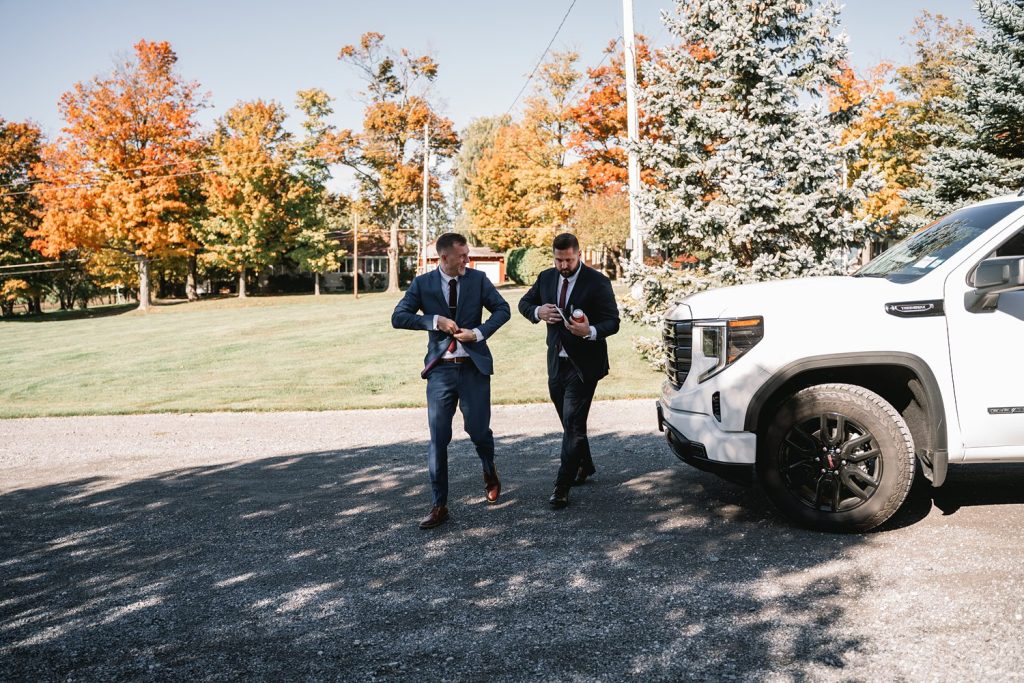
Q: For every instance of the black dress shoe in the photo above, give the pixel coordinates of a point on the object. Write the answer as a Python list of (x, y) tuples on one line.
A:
[(560, 498), (581, 476)]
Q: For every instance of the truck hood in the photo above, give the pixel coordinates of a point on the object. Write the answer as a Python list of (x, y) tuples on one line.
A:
[(807, 297)]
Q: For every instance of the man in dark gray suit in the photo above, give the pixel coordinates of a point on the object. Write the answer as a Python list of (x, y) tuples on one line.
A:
[(577, 350), (452, 299)]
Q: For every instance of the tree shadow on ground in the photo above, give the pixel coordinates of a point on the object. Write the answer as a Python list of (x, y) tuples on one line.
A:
[(76, 314), (310, 566)]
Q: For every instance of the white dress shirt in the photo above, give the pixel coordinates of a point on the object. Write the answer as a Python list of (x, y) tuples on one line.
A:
[(459, 352), (568, 294)]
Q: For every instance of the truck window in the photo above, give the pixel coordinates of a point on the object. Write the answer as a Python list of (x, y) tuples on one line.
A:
[(1012, 247), (915, 256)]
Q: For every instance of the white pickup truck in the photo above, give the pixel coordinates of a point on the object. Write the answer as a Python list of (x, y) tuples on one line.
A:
[(830, 391)]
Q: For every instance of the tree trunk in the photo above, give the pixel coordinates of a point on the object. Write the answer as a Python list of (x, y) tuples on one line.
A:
[(143, 283), (393, 258), (316, 284), (192, 278), (37, 303), (241, 284)]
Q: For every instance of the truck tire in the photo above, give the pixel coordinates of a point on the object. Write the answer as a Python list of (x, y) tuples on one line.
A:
[(837, 457)]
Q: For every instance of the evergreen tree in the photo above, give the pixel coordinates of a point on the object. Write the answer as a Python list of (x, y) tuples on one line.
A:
[(979, 151), (748, 164)]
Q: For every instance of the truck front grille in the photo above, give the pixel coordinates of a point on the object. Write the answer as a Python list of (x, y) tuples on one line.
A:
[(678, 338)]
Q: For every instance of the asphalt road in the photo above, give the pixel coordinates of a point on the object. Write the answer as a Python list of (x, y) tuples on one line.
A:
[(284, 546)]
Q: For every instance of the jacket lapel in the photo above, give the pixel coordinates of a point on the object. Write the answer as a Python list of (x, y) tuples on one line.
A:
[(439, 289), (577, 289)]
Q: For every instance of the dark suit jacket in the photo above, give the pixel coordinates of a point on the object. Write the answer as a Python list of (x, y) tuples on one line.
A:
[(427, 293), (592, 294)]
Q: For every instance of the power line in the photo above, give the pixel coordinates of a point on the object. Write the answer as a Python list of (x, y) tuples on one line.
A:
[(541, 60), (23, 183), (78, 186), (40, 263)]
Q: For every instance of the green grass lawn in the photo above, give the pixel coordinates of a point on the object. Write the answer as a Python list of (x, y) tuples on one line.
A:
[(276, 353)]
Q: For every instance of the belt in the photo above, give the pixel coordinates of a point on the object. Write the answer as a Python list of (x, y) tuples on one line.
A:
[(456, 360)]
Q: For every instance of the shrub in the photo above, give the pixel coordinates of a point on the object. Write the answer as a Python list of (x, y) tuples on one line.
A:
[(523, 265)]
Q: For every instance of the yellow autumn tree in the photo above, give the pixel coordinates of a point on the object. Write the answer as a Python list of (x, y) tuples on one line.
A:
[(524, 187), (113, 179), (254, 198)]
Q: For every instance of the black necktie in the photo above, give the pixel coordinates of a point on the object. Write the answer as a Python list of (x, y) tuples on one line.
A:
[(453, 296)]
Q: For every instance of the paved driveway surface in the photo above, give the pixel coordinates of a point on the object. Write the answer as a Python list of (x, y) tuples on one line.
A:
[(284, 546)]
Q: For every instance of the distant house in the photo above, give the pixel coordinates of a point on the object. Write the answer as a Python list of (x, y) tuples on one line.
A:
[(485, 259)]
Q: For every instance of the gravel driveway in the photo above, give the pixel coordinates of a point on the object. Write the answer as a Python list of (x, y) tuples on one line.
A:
[(284, 546)]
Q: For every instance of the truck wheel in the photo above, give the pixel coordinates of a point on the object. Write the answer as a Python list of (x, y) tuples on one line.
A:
[(837, 457)]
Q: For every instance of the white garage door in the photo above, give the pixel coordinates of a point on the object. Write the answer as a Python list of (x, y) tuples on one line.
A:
[(492, 269)]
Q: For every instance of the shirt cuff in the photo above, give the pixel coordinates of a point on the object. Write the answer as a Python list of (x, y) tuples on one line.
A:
[(536, 313), (434, 324), (479, 334), (593, 333)]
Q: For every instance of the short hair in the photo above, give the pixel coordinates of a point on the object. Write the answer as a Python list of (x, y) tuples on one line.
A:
[(449, 240), (566, 240)]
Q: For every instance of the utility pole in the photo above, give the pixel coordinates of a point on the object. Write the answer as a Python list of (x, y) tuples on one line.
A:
[(636, 243), (355, 252), (426, 195)]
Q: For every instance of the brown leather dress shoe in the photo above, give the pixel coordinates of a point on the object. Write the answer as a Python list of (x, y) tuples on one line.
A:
[(438, 516), (492, 487)]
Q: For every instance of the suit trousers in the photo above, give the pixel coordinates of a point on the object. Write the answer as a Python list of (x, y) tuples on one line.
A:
[(572, 396), (448, 384)]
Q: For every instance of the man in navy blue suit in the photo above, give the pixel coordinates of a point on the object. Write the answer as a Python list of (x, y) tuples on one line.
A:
[(452, 299)]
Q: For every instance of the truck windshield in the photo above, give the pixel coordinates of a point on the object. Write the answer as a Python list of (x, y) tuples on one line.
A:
[(915, 256)]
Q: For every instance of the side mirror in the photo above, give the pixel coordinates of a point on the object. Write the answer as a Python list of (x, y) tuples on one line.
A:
[(1000, 274), (992, 277)]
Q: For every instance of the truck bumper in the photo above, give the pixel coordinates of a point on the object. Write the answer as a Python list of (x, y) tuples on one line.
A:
[(692, 436)]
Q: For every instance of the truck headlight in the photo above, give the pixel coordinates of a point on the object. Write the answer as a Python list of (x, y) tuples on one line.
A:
[(724, 341)]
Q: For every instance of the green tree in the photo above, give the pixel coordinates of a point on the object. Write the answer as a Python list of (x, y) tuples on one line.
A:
[(317, 249)]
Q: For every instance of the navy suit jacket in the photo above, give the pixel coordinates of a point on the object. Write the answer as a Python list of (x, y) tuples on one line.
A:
[(593, 295), (428, 294)]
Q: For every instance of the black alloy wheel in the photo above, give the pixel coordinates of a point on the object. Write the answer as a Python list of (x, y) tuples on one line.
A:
[(831, 463), (836, 457)]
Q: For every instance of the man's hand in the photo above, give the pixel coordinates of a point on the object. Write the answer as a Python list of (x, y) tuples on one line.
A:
[(549, 314), (465, 336), (447, 325), (581, 328)]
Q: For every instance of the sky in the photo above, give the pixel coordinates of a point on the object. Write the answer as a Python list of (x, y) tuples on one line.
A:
[(249, 49)]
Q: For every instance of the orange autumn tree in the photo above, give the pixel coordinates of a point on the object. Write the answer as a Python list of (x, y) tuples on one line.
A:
[(19, 151), (525, 185), (254, 198), (881, 143), (113, 179), (387, 156), (600, 133)]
